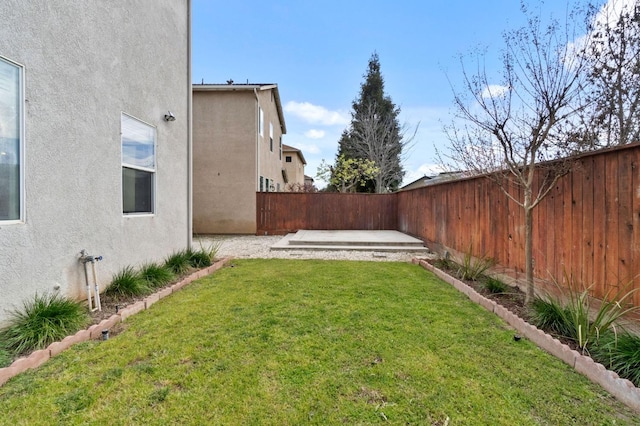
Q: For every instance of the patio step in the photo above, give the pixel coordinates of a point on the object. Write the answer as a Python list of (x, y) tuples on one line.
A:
[(382, 241)]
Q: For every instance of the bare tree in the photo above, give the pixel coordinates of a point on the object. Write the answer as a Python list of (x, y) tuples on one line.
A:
[(301, 187), (517, 125), (613, 56), (378, 138)]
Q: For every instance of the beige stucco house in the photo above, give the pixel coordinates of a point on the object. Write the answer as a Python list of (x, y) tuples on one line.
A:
[(94, 140), (237, 148), (293, 163)]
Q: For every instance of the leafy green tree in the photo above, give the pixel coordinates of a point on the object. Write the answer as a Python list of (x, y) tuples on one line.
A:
[(375, 134), (348, 173)]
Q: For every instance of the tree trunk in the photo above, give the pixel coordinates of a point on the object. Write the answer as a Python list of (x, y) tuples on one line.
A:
[(528, 251)]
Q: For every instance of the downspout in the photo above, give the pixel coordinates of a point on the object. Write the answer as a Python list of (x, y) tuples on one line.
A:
[(189, 134), (255, 92)]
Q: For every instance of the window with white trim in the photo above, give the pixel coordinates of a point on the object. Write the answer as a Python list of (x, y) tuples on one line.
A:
[(138, 166), (271, 137), (261, 121), (11, 141)]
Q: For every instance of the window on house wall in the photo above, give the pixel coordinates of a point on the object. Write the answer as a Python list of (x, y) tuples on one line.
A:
[(271, 137), (267, 185), (287, 159), (261, 121), (261, 183), (11, 141), (278, 187), (280, 149), (138, 165)]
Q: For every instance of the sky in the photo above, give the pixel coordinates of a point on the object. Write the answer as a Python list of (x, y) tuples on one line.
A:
[(317, 52)]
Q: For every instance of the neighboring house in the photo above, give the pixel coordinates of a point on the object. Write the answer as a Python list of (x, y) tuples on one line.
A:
[(432, 180), (237, 148), (293, 163), (418, 183), (87, 159), (308, 180)]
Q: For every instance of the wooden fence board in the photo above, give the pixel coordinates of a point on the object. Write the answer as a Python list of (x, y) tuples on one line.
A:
[(576, 180), (587, 221), (625, 217), (635, 222), (611, 223), (599, 224)]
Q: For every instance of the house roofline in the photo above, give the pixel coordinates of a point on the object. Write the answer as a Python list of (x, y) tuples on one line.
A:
[(289, 148), (246, 87)]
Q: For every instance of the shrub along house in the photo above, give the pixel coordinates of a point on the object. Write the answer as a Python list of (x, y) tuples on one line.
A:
[(94, 140), (237, 147)]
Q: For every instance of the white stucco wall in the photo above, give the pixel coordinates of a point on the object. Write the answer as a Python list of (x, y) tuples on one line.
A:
[(84, 64)]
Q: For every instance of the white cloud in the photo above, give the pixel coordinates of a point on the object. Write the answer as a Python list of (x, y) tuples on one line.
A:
[(609, 14), (494, 91), (612, 9), (315, 134), (309, 149), (427, 169), (316, 114)]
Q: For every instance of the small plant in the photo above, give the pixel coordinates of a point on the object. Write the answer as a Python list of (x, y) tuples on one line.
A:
[(128, 282), (178, 262), (199, 258), (41, 321), (156, 275), (211, 248), (5, 358), (620, 353), (445, 264), (473, 269), (584, 322), (495, 286), (549, 314)]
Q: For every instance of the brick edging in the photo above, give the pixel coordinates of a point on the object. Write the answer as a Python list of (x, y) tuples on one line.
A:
[(39, 357), (620, 388)]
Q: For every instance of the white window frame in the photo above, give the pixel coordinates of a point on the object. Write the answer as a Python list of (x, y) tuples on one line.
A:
[(261, 121), (21, 143), (153, 170), (271, 136)]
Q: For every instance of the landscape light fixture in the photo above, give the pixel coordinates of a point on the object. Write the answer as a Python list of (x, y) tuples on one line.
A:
[(169, 116)]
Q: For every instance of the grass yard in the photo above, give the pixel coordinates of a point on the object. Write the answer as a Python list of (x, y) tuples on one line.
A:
[(289, 342)]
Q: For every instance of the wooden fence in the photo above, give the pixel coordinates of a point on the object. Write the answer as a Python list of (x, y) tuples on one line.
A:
[(283, 212), (588, 226)]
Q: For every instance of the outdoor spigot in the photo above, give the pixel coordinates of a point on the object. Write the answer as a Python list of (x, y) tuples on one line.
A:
[(84, 257)]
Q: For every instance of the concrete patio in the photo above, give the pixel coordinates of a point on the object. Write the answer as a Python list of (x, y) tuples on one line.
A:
[(383, 241)]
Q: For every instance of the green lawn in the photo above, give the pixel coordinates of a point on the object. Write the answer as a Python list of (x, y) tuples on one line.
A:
[(289, 342)]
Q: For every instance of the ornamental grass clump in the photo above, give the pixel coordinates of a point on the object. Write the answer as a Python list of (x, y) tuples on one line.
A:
[(156, 275), (620, 353), (127, 283), (5, 358), (199, 258), (473, 269), (576, 316), (41, 321), (495, 286), (211, 248), (178, 262)]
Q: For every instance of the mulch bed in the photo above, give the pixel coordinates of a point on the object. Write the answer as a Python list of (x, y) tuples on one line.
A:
[(513, 300)]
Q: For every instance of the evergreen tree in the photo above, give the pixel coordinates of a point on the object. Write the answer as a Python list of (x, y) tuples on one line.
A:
[(374, 133)]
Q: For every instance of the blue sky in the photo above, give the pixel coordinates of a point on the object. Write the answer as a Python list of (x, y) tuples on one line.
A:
[(317, 52)]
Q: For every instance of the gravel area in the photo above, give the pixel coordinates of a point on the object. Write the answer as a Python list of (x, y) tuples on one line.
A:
[(252, 247)]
